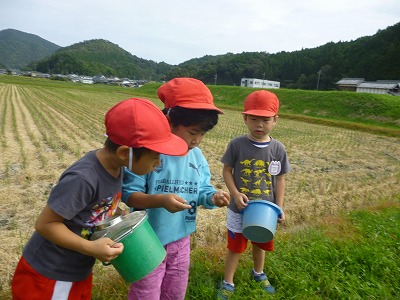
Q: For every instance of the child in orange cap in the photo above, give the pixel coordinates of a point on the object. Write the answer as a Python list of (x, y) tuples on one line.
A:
[(57, 261), (254, 168), (174, 191)]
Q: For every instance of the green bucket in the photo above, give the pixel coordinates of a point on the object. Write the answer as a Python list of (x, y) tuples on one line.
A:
[(143, 251)]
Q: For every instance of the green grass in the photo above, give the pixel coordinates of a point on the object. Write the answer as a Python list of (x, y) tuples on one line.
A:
[(353, 256), (335, 106), (360, 111), (371, 113)]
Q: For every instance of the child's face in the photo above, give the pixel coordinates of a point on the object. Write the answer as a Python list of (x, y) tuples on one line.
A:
[(192, 135), (259, 127), (147, 163)]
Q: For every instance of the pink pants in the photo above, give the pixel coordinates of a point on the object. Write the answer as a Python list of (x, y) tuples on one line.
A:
[(170, 279)]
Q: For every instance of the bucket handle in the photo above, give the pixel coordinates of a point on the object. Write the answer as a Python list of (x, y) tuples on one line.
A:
[(279, 210), (107, 263)]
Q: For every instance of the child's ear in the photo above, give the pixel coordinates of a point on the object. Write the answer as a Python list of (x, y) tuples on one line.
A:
[(123, 152), (276, 119)]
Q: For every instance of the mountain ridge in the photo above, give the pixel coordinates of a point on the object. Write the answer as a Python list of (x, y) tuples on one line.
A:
[(98, 56), (18, 48), (370, 57)]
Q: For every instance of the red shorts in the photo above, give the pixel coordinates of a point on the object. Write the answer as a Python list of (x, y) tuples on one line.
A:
[(27, 281), (237, 243)]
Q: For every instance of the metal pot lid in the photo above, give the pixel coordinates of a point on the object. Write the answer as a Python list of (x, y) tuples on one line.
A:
[(108, 222), (125, 226)]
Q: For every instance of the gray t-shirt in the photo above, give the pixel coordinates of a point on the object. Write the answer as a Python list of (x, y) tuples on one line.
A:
[(85, 194), (254, 168)]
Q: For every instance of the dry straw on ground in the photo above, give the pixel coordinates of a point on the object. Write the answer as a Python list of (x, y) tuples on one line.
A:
[(42, 132)]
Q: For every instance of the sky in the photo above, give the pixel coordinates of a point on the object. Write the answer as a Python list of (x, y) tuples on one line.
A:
[(175, 31)]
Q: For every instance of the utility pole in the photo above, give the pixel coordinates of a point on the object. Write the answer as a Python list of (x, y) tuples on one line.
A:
[(215, 78), (319, 74)]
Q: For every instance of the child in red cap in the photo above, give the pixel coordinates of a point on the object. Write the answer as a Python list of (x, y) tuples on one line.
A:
[(57, 261), (174, 191), (254, 168)]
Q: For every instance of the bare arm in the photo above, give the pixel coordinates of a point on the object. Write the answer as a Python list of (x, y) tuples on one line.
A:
[(170, 202), (50, 225), (240, 198), (280, 193)]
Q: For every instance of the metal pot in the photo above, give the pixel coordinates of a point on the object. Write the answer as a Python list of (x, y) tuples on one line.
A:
[(143, 251)]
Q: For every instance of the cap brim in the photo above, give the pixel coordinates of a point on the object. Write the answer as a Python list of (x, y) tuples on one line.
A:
[(260, 113), (198, 105), (174, 146)]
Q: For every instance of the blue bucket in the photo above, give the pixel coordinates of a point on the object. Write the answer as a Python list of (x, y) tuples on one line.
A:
[(260, 218)]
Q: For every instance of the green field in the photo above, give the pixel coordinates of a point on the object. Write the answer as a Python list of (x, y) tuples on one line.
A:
[(361, 111), (341, 239)]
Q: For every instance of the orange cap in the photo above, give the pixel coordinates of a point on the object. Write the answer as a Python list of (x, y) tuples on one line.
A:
[(261, 103), (139, 123), (187, 93)]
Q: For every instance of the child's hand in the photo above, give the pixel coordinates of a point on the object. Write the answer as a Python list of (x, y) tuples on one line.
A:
[(241, 200), (174, 203), (220, 198), (122, 212), (281, 218), (105, 249)]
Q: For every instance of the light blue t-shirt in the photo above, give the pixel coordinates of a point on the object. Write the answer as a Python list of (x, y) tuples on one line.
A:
[(187, 176)]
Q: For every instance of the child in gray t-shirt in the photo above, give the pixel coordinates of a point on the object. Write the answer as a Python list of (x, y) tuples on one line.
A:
[(57, 260), (254, 168)]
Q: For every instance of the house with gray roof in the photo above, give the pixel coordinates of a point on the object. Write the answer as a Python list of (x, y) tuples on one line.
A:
[(100, 79), (391, 87), (349, 84), (380, 87)]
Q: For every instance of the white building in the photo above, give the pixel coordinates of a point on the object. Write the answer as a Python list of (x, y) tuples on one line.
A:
[(260, 83), (86, 79), (379, 87)]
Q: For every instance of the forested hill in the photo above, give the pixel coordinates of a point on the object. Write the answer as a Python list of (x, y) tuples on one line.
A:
[(373, 58), (17, 48), (100, 57)]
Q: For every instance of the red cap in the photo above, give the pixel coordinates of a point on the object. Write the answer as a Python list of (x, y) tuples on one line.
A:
[(188, 93), (261, 103), (139, 123)]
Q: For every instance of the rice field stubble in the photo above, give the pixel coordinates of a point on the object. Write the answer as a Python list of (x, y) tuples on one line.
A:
[(44, 130)]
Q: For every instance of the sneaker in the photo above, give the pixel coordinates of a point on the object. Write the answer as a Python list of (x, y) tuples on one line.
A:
[(264, 280), (225, 291)]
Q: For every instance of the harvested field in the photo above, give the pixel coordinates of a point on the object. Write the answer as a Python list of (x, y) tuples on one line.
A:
[(44, 130)]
